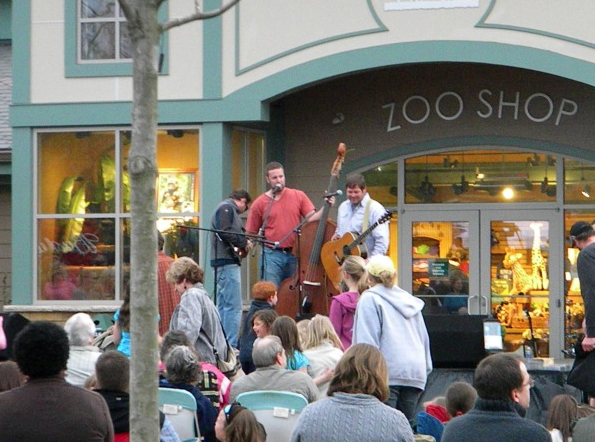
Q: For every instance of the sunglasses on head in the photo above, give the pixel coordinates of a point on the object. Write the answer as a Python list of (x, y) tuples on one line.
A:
[(227, 411)]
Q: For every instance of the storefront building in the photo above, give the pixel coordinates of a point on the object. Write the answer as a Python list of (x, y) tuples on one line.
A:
[(442, 108)]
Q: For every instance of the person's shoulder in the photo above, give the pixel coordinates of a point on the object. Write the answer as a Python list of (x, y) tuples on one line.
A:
[(300, 376), (583, 429), (82, 394)]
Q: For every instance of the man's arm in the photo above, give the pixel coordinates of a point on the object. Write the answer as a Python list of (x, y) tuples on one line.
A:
[(381, 232), (190, 317), (224, 221)]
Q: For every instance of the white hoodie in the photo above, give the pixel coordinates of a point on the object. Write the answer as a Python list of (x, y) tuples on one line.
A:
[(391, 320)]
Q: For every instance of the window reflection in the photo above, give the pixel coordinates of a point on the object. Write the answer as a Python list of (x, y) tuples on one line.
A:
[(441, 265), (83, 226)]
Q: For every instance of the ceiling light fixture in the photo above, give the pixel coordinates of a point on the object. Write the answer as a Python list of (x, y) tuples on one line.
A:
[(338, 118), (478, 174), (508, 193)]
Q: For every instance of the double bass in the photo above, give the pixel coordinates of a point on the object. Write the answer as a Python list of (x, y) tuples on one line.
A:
[(309, 290)]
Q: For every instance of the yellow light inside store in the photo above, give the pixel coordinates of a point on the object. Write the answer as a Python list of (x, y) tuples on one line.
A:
[(508, 193)]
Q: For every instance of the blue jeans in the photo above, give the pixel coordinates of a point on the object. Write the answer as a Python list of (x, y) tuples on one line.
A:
[(229, 300), (405, 400), (278, 265)]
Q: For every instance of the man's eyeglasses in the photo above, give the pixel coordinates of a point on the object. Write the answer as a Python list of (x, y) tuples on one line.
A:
[(530, 384), (570, 241)]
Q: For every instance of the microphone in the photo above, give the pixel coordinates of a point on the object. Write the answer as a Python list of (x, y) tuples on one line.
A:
[(336, 193), (278, 187)]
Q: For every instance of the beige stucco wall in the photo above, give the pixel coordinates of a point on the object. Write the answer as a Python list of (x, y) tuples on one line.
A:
[(267, 29), (279, 35), (48, 82)]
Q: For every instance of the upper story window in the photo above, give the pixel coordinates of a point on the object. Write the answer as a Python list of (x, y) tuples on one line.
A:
[(103, 32)]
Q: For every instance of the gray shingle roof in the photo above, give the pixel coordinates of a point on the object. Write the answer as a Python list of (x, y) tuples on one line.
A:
[(5, 96)]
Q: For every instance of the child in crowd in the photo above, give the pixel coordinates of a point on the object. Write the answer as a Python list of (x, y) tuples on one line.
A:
[(561, 414), (302, 326), (264, 297), (262, 322), (437, 408), (323, 349), (122, 325), (286, 329), (342, 310), (460, 398)]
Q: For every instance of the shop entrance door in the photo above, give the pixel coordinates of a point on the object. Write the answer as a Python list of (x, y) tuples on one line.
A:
[(499, 262)]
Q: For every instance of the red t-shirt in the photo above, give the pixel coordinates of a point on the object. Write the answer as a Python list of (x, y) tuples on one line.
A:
[(286, 213)]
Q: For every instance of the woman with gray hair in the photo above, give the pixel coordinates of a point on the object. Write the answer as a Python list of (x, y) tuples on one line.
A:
[(80, 329), (196, 315), (183, 371)]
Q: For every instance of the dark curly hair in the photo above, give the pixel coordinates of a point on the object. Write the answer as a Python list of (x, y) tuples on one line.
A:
[(41, 349)]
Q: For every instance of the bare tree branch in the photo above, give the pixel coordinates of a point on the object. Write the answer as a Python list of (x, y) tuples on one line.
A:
[(198, 15)]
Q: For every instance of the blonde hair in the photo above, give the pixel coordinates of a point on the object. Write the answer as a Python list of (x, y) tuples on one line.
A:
[(303, 331), (184, 268), (355, 267), (320, 329), (381, 270)]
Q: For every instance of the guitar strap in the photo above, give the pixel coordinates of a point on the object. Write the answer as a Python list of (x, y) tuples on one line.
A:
[(366, 215)]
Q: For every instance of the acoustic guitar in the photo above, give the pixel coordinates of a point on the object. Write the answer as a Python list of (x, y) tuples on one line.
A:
[(333, 253)]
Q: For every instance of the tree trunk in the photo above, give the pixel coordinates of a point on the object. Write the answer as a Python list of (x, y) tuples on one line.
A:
[(142, 167), (145, 31)]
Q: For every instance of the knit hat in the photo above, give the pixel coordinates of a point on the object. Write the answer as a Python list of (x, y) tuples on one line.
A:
[(378, 264)]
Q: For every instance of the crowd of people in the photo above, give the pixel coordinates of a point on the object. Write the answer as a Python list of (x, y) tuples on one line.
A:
[(362, 369)]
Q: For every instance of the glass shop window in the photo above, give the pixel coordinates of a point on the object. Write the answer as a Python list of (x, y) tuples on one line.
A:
[(83, 209)]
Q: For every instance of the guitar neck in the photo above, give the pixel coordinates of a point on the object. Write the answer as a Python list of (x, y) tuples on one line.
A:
[(357, 241)]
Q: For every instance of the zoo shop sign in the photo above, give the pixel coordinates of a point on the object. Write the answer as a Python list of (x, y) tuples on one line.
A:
[(449, 106)]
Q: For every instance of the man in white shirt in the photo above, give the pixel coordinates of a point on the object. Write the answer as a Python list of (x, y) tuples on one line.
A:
[(359, 212)]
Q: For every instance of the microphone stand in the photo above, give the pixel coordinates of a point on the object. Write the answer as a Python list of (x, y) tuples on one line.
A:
[(261, 231), (251, 236)]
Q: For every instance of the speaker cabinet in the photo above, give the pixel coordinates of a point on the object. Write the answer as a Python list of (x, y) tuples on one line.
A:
[(456, 341)]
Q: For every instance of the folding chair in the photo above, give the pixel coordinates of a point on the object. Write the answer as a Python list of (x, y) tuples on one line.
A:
[(180, 408), (277, 411)]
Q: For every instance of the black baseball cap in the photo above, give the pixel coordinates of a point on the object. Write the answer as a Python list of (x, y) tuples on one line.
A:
[(577, 229)]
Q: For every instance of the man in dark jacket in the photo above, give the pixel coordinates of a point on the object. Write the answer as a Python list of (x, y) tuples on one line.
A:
[(503, 388), (227, 247)]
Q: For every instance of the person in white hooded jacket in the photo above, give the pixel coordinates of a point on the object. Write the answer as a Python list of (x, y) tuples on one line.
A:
[(390, 319)]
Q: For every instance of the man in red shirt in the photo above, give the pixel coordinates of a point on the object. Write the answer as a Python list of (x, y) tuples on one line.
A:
[(168, 298), (275, 214)]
